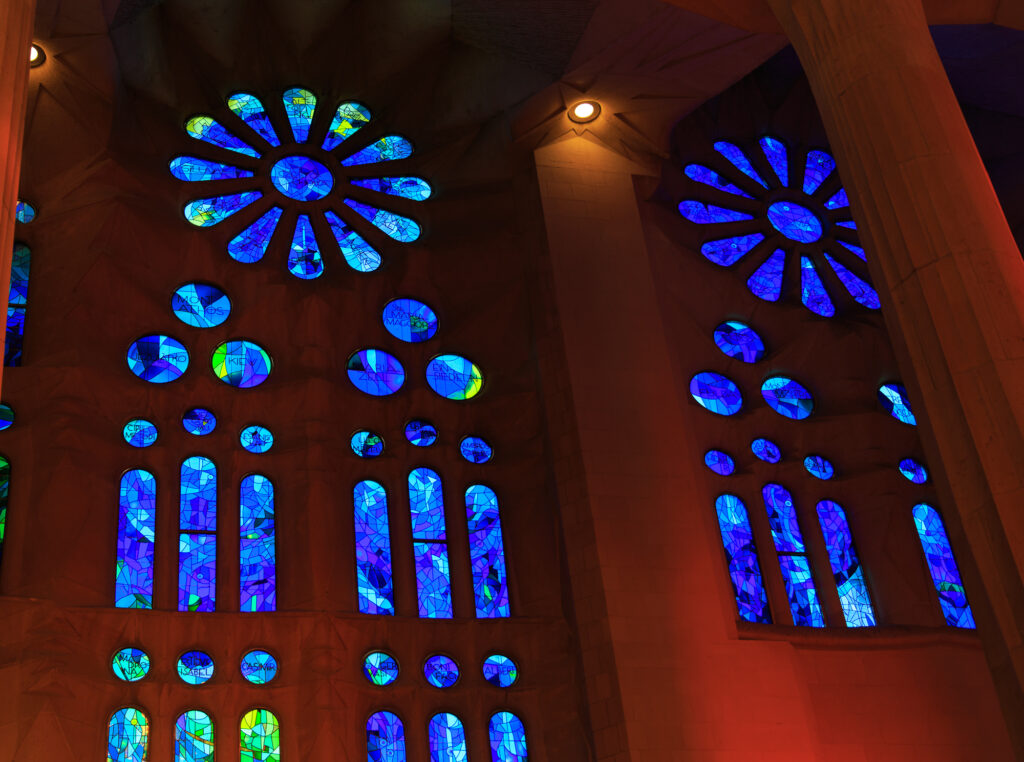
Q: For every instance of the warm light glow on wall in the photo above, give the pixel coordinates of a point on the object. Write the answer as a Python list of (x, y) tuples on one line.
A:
[(585, 111), (36, 56)]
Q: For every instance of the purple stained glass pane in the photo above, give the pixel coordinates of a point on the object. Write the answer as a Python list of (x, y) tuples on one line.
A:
[(441, 671), (712, 179), (508, 738), (373, 549), (787, 397), (744, 571), (719, 462), (136, 535), (846, 568), (487, 553), (914, 471), (709, 214), (739, 340), (197, 572), (855, 249), (716, 393), (782, 519), (385, 738), (426, 504), (942, 567), (739, 160), (257, 549), (803, 598), (775, 152), (729, 251), (766, 282)]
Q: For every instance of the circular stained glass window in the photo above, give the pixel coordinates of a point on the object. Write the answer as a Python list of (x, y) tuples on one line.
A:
[(301, 178), (259, 667), (716, 393), (257, 439), (454, 377), (199, 421), (500, 671), (787, 397), (819, 467), (195, 667), (139, 432), (766, 450), (241, 363), (366, 444), (475, 450), (157, 358), (201, 305), (795, 222), (130, 664), (739, 340), (6, 416), (441, 671), (380, 668), (420, 433), (719, 462), (896, 403), (375, 372), (410, 320), (24, 212), (914, 471)]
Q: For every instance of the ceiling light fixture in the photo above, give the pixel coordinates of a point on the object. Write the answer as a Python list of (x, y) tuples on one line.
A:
[(585, 111), (36, 56)]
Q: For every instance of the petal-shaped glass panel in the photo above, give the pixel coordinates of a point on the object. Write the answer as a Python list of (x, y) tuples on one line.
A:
[(447, 738), (812, 290), (766, 282), (739, 340), (508, 738), (389, 148), (744, 571), (855, 249), (157, 358), (130, 664), (846, 568), (719, 462), (942, 567), (701, 174), (200, 305), (819, 166), (454, 377), (421, 433), (441, 671), (838, 201), (136, 537), (359, 255), (139, 432), (193, 737), (367, 444), (818, 466), (385, 738), (896, 402), (775, 152), (304, 260), (375, 372), (475, 450), (373, 549), (256, 439), (251, 111), (199, 421), (413, 188), (251, 244), (394, 225), (766, 450), (739, 160), (205, 212), (347, 119), (859, 289), (716, 393), (410, 320), (193, 169), (849, 224), (729, 251), (299, 106), (209, 130), (241, 363), (500, 671), (259, 667), (195, 667), (260, 737), (128, 736), (709, 214), (787, 397), (301, 178), (914, 471), (380, 668), (24, 212)]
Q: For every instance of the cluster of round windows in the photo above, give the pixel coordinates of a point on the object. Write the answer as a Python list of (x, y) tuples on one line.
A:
[(139, 432), (381, 668), (194, 667), (720, 395), (764, 449), (368, 444)]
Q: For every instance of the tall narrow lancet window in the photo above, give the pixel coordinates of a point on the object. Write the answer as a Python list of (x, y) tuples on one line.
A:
[(373, 549), (136, 533), (17, 304), (197, 542), (942, 566), (260, 737), (193, 737), (508, 738), (257, 549), (487, 553), (128, 736), (846, 568), (5, 491), (447, 738), (385, 738), (796, 568), (744, 571), (430, 547)]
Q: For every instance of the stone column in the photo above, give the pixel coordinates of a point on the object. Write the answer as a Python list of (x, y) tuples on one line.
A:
[(951, 281)]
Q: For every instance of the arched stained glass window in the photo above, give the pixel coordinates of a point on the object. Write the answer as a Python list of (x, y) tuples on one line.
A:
[(487, 553), (796, 568), (193, 737), (508, 738), (5, 490), (385, 738), (260, 737), (257, 551), (447, 738), (430, 546), (197, 542), (136, 533), (942, 567), (846, 568), (128, 736), (373, 549), (17, 304), (744, 571)]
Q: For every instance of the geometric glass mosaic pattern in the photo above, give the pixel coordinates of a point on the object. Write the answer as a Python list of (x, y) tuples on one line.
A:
[(913, 471), (260, 737), (200, 305), (366, 444), (942, 567), (130, 664), (193, 737), (430, 547), (195, 667), (744, 571), (128, 736), (241, 363), (716, 393), (896, 403), (197, 543), (500, 671), (441, 671), (259, 667), (447, 738), (819, 467), (139, 432), (508, 738), (475, 450), (385, 738), (420, 433), (454, 377), (380, 668), (719, 462), (199, 421), (796, 568), (786, 397), (739, 340), (157, 358), (487, 553), (256, 439), (375, 372), (257, 549), (846, 568), (410, 320), (136, 529), (373, 549)]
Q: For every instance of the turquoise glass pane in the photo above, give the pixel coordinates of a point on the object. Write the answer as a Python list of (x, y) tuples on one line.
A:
[(942, 567), (775, 152), (454, 377), (500, 671), (410, 320), (209, 130), (259, 667), (447, 738), (195, 667), (895, 400), (716, 393), (744, 571), (157, 358), (251, 244), (385, 738), (139, 432), (388, 148), (200, 305), (193, 737), (193, 169), (508, 738), (130, 664), (252, 112), (128, 736), (375, 372), (304, 260), (136, 530), (373, 549), (441, 671), (257, 547), (347, 120), (475, 450), (256, 439), (359, 255), (394, 225), (380, 668), (846, 568), (413, 188), (205, 212), (729, 251), (712, 179), (299, 106), (739, 160), (487, 553)]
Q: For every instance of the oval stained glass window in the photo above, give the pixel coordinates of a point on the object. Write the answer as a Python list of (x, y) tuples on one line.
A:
[(410, 320), (366, 444), (375, 372), (441, 671), (259, 667), (475, 450), (914, 471), (716, 393), (766, 450), (454, 377), (199, 421), (24, 212), (896, 403), (200, 305), (301, 178), (719, 462), (256, 439), (139, 432), (420, 433), (195, 667), (787, 397), (500, 671), (739, 340), (380, 668), (6, 416), (819, 467), (241, 363), (157, 358), (130, 664)]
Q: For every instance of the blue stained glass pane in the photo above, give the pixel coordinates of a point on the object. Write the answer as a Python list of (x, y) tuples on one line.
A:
[(139, 432), (304, 260), (454, 377), (5, 489), (128, 736), (260, 737), (782, 519), (441, 671), (838, 201), (380, 668), (259, 667), (15, 337), (251, 111), (942, 567), (766, 450), (739, 340), (914, 471), (500, 671), (359, 255), (195, 667), (850, 224), (447, 738), (819, 166), (728, 251), (193, 169), (787, 397), (193, 737), (366, 444), (487, 553), (803, 598), (410, 320), (420, 433), (209, 130), (301, 178), (744, 571), (21, 262), (347, 119), (197, 572), (739, 160), (426, 503), (475, 450), (373, 549), (157, 358), (719, 462), (433, 580), (508, 738), (855, 249), (375, 372), (394, 225), (256, 439), (130, 664), (198, 505), (897, 403), (251, 244), (819, 467), (136, 530), (7, 416), (241, 363), (199, 421), (716, 393), (846, 568), (709, 214), (775, 152), (200, 305), (388, 148), (24, 212), (709, 177), (766, 282), (299, 106), (859, 289), (812, 290), (385, 738), (205, 212), (794, 221), (257, 549), (413, 188)]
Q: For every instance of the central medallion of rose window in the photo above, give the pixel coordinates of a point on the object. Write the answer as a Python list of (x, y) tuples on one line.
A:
[(795, 222), (302, 178)]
